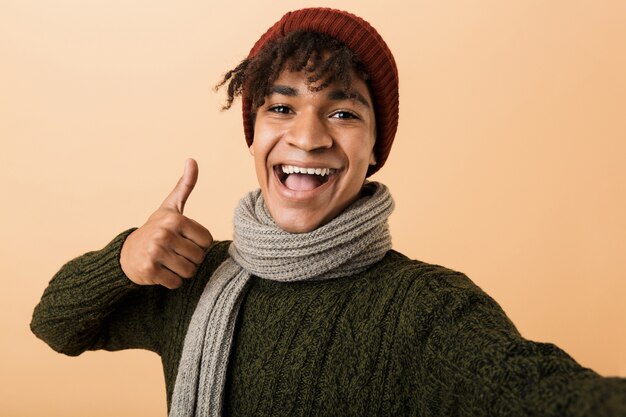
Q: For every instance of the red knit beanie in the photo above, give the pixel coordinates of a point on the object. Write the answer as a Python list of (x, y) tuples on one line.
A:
[(368, 45)]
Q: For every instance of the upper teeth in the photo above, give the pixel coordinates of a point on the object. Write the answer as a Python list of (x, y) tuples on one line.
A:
[(290, 169)]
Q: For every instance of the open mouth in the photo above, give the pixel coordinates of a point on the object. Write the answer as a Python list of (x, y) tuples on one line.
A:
[(303, 179)]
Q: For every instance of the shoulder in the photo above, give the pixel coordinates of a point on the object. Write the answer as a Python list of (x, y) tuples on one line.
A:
[(433, 292), (423, 274)]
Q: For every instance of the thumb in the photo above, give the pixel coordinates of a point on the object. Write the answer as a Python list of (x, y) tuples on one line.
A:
[(178, 197)]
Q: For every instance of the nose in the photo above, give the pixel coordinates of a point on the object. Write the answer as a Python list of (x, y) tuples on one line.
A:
[(309, 132)]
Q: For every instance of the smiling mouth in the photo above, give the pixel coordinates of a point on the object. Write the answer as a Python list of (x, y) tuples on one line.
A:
[(303, 179)]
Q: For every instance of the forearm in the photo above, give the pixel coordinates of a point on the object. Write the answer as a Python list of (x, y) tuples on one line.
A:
[(72, 314), (493, 369)]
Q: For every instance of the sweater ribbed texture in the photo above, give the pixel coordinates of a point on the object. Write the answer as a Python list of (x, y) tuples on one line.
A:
[(403, 338), (347, 245)]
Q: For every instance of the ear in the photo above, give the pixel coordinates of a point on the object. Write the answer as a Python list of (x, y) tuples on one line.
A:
[(372, 158)]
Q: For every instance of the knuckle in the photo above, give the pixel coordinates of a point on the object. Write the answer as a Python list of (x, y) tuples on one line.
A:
[(154, 251), (148, 269), (205, 241), (173, 221), (171, 282), (189, 270), (162, 235), (199, 257)]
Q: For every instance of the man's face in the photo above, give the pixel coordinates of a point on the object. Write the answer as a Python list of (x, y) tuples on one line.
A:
[(312, 150)]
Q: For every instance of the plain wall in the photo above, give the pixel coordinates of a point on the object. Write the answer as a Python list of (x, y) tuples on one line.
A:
[(509, 163)]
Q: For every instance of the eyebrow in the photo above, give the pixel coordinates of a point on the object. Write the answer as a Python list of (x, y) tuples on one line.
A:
[(350, 95), (283, 90), (336, 95)]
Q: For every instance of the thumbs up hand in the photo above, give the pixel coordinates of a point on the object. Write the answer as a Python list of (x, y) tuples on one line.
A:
[(169, 246)]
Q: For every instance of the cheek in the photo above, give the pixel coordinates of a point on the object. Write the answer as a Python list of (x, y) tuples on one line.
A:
[(267, 138), (362, 154), (260, 150)]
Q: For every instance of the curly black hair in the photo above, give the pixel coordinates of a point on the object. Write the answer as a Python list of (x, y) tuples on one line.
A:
[(323, 58)]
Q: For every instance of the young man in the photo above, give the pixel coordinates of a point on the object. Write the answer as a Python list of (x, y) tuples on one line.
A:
[(308, 311)]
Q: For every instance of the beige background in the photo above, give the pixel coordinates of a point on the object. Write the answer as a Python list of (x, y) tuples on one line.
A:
[(509, 163)]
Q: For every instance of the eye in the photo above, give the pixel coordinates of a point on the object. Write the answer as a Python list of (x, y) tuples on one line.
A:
[(344, 114), (279, 108)]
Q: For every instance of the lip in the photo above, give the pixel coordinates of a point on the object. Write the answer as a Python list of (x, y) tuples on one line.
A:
[(303, 196)]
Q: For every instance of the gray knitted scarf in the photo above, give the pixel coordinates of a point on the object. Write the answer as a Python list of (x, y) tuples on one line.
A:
[(347, 245)]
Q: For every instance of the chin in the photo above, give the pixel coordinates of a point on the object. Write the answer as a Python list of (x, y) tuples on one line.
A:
[(297, 226), (297, 229), (297, 222)]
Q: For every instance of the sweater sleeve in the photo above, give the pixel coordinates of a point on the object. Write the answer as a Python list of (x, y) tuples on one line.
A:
[(91, 304), (473, 362)]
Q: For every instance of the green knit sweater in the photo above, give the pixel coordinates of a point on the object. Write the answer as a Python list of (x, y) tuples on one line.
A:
[(402, 338)]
